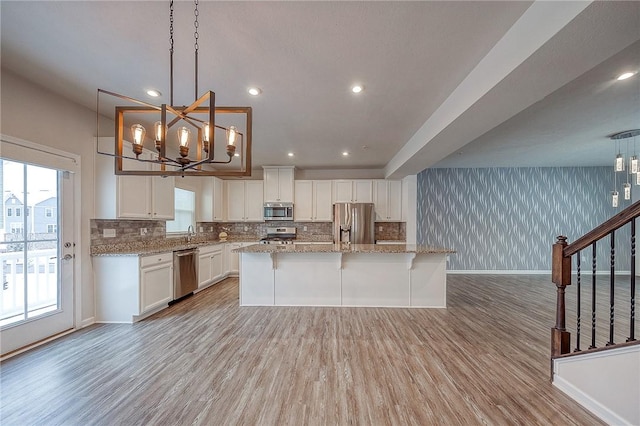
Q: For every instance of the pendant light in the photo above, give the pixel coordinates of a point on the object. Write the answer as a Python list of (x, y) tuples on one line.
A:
[(195, 126)]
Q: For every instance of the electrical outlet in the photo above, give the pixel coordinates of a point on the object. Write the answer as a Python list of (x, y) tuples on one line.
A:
[(304, 228), (246, 228), (380, 228), (143, 231), (109, 233), (200, 229), (447, 258)]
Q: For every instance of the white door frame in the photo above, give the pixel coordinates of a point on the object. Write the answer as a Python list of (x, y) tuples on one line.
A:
[(36, 154)]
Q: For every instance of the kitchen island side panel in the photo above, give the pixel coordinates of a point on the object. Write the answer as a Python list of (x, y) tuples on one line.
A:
[(429, 281), (307, 279), (376, 279), (256, 279)]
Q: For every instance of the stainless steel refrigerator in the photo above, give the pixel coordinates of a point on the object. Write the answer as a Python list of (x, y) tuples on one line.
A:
[(354, 223)]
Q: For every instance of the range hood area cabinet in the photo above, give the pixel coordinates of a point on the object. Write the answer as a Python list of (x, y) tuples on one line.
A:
[(211, 206), (278, 184), (131, 197), (244, 200)]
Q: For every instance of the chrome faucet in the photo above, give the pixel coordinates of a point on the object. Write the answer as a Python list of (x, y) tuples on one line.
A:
[(190, 233)]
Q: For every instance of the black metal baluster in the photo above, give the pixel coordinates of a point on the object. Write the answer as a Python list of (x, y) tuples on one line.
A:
[(612, 286), (577, 349), (593, 296), (632, 314)]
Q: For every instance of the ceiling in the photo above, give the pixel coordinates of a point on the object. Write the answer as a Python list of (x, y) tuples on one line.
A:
[(447, 84)]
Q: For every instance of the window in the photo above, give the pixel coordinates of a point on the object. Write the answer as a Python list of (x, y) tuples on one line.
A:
[(185, 211), (51, 229), (48, 212), (17, 211), (9, 211)]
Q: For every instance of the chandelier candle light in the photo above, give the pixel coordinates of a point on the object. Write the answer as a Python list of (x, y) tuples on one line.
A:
[(197, 118), (619, 165)]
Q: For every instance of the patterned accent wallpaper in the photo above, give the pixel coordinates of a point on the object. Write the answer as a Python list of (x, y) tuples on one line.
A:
[(508, 218)]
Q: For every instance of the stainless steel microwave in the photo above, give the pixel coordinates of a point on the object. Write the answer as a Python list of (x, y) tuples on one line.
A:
[(278, 211)]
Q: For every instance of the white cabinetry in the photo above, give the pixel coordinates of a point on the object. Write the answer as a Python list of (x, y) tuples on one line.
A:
[(132, 197), (130, 287), (232, 259), (244, 200), (156, 281), (313, 201), (278, 184), (388, 200), (210, 265), (212, 200), (353, 191)]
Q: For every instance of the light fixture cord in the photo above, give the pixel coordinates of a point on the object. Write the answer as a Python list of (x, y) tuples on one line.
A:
[(171, 47), (627, 153), (195, 36)]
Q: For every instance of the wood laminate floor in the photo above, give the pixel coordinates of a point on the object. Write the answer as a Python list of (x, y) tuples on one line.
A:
[(207, 361)]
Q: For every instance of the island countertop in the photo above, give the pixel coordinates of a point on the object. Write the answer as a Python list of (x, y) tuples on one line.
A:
[(342, 248)]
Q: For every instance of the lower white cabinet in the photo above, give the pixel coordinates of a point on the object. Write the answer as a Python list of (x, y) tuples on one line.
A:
[(156, 281), (232, 259), (128, 287), (210, 265)]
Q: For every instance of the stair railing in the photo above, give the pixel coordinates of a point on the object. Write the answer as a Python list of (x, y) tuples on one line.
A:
[(561, 277)]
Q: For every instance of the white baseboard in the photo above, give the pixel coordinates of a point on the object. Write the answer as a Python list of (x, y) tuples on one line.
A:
[(589, 403), (497, 272), (87, 322), (523, 272)]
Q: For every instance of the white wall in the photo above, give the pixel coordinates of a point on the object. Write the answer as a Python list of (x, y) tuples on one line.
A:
[(37, 115), (607, 383)]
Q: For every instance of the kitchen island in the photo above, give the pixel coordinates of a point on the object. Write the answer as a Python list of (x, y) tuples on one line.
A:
[(394, 275)]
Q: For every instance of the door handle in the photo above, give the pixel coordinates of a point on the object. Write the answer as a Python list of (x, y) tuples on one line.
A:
[(67, 257)]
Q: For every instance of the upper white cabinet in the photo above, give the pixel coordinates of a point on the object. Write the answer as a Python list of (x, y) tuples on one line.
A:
[(353, 191), (313, 201), (388, 200), (278, 184), (211, 200), (244, 200), (132, 197)]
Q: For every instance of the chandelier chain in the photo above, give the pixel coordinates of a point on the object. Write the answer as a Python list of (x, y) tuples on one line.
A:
[(171, 49), (195, 46), (196, 35)]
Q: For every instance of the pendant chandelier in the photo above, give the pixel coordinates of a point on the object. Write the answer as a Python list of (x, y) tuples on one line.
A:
[(632, 170), (194, 130)]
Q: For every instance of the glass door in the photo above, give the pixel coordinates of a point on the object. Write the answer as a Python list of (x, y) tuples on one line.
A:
[(36, 254)]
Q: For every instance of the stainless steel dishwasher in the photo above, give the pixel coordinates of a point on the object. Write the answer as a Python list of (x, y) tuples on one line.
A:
[(185, 272)]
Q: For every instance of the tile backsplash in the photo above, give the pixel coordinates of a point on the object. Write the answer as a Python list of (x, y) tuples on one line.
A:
[(130, 231)]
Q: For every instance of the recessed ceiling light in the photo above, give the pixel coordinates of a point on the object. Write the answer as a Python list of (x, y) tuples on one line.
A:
[(290, 154), (345, 153), (153, 93), (357, 88), (626, 75), (254, 91)]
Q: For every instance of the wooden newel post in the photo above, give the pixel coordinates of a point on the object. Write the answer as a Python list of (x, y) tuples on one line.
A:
[(561, 277)]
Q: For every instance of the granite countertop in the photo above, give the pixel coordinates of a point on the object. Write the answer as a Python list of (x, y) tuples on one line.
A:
[(341, 248), (143, 248)]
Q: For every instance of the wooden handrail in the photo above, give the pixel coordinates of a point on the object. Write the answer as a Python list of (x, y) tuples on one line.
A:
[(620, 219), (561, 275)]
